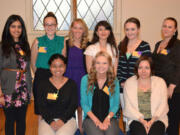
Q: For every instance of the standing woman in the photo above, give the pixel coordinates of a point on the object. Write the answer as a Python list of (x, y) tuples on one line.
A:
[(73, 50), (42, 49), (130, 49), (103, 40), (15, 74), (166, 58), (100, 97)]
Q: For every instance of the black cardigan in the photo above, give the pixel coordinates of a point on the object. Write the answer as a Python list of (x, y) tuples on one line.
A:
[(168, 66)]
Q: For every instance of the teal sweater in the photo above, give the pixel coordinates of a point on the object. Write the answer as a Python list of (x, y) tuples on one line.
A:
[(86, 98)]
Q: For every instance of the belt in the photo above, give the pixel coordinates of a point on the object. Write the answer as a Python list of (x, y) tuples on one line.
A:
[(16, 70)]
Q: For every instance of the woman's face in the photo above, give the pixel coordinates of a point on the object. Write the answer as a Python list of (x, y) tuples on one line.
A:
[(50, 26), (102, 33), (168, 28), (101, 65), (131, 30), (77, 30), (57, 68), (15, 30), (144, 70)]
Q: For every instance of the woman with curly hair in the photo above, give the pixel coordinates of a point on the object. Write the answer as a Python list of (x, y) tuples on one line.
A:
[(74, 47), (100, 97)]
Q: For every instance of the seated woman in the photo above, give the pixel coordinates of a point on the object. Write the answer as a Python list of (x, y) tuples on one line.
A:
[(146, 100), (57, 101), (100, 97)]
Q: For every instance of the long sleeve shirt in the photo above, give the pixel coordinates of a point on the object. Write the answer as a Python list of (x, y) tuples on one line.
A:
[(60, 106)]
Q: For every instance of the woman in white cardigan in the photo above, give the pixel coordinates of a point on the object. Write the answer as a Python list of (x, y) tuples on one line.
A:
[(146, 101)]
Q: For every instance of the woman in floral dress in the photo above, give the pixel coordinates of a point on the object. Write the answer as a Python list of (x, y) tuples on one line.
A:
[(15, 75)]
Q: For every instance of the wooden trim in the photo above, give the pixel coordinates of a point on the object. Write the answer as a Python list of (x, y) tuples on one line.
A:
[(74, 13)]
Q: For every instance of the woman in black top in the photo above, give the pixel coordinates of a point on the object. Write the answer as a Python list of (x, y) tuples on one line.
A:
[(166, 58), (57, 101)]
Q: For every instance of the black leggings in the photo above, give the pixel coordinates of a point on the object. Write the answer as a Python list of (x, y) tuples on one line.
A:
[(137, 128), (17, 115)]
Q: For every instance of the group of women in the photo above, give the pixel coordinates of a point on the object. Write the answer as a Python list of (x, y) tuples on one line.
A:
[(91, 77)]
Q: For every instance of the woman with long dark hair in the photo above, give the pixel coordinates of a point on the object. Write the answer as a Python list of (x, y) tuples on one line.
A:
[(130, 49), (15, 74), (166, 58), (103, 40)]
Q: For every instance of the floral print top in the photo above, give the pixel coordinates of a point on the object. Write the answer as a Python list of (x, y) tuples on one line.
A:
[(20, 96)]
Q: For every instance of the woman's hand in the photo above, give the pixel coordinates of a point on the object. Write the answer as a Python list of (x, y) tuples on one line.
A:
[(171, 90), (2, 101), (53, 125), (97, 122), (145, 124), (59, 123), (122, 84), (106, 123)]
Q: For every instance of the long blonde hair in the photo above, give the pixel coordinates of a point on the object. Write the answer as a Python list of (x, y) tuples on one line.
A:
[(92, 77), (84, 36)]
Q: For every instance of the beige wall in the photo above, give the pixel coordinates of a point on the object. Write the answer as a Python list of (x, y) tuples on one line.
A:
[(150, 12)]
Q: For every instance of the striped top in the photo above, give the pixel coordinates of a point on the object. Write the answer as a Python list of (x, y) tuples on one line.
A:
[(126, 66)]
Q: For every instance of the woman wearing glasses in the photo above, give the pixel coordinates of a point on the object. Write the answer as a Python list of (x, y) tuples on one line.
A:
[(42, 49)]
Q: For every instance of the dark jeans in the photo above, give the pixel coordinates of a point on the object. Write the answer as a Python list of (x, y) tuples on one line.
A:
[(41, 74), (17, 115), (137, 128), (174, 114)]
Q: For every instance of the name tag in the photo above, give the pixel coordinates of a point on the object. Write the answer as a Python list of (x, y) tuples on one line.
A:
[(106, 90), (137, 54), (164, 52), (52, 96), (21, 52), (42, 49)]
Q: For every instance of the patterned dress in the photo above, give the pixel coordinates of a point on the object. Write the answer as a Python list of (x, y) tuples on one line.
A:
[(20, 96)]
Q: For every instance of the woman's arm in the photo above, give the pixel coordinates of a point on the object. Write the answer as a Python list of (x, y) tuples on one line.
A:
[(89, 60), (2, 101), (115, 98), (34, 53), (130, 110), (162, 108), (116, 65), (64, 49)]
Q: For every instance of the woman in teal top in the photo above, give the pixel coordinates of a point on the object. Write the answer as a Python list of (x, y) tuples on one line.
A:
[(42, 49), (100, 97)]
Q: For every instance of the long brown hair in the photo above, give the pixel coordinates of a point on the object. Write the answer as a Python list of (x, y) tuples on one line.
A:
[(84, 39), (92, 77), (123, 44)]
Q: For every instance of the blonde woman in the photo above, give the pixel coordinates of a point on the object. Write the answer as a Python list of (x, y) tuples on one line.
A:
[(100, 97), (73, 51)]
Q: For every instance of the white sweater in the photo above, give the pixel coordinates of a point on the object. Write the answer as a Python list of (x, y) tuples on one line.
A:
[(159, 105)]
